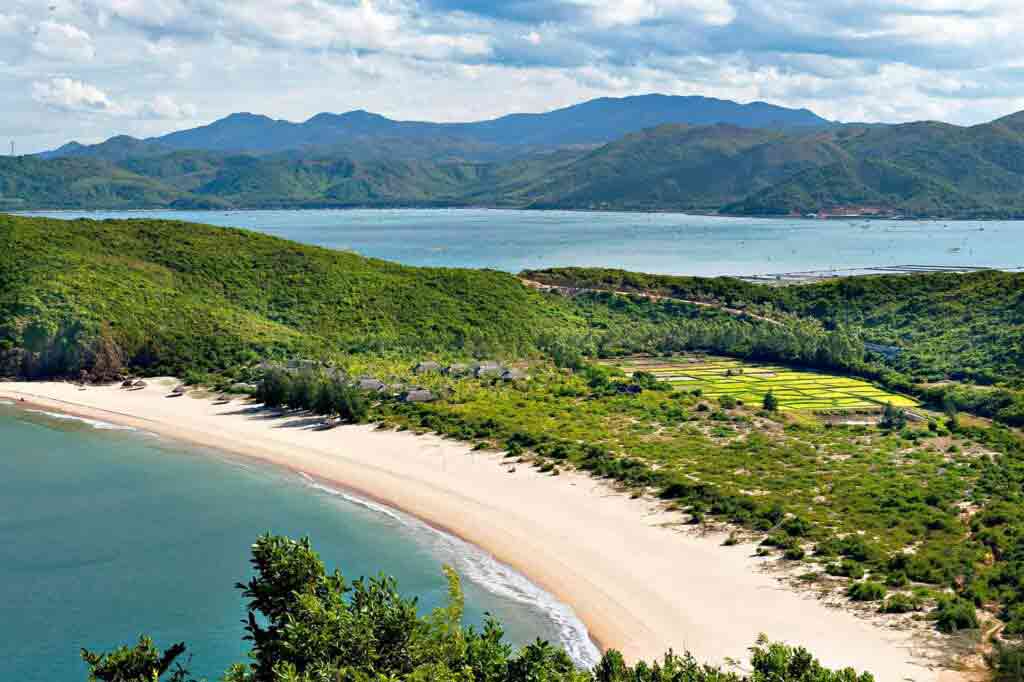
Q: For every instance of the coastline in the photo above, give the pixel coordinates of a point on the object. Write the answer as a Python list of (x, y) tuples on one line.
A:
[(638, 585), (489, 207)]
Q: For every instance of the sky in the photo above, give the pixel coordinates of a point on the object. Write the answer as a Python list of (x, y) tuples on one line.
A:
[(89, 69)]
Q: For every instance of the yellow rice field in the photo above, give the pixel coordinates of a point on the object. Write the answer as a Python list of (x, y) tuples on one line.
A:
[(796, 389)]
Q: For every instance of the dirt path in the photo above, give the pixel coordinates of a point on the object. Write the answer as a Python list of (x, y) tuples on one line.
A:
[(572, 291)]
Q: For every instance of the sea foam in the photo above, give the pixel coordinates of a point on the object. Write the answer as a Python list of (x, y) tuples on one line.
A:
[(95, 423), (483, 569)]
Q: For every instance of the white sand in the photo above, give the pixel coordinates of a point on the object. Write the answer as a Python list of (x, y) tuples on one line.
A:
[(640, 587)]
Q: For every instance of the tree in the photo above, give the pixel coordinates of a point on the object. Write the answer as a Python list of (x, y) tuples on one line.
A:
[(893, 418), (308, 625), (142, 663), (770, 402), (274, 388)]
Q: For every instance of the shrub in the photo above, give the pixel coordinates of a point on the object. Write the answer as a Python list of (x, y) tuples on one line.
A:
[(796, 527), (846, 568), (727, 402), (866, 590), (953, 614), (901, 603), (1006, 661), (898, 579)]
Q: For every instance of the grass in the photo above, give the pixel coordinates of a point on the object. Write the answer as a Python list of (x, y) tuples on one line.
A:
[(796, 389), (898, 490)]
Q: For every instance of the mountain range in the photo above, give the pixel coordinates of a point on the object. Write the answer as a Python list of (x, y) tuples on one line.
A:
[(363, 135), (641, 153)]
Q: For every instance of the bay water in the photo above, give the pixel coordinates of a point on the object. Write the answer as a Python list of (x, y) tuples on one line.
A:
[(666, 243), (108, 533)]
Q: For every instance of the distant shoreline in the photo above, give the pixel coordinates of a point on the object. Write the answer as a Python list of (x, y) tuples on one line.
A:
[(527, 209), (639, 586)]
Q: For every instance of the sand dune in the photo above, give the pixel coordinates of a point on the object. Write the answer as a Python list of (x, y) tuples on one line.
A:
[(639, 585)]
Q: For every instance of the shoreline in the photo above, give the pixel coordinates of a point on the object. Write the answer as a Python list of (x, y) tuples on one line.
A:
[(638, 585), (531, 209)]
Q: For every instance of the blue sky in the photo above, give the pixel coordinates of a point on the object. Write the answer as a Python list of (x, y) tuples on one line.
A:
[(89, 69)]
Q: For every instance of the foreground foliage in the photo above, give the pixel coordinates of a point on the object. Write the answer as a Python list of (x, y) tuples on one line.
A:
[(308, 625)]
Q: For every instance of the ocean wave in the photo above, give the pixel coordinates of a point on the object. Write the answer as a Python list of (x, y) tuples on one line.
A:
[(6, 402), (95, 423), (484, 570)]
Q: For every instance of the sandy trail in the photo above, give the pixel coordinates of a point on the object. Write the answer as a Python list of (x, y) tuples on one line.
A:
[(639, 586)]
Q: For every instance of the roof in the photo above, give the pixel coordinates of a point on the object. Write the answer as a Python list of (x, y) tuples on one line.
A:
[(428, 366), (513, 374), (371, 384), (419, 395), (485, 368)]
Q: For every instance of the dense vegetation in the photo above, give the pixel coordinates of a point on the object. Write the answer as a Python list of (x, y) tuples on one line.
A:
[(916, 169), (179, 297), (308, 625), (166, 297), (966, 328)]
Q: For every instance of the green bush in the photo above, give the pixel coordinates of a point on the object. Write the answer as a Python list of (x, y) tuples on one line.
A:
[(901, 603), (866, 590), (953, 614)]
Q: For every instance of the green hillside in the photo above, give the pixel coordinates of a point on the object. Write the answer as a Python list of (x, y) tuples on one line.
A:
[(960, 336), (180, 296)]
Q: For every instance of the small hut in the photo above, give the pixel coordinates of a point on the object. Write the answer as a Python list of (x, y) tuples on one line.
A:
[(419, 395), (459, 369), (427, 367), (513, 374), (488, 369), (371, 385)]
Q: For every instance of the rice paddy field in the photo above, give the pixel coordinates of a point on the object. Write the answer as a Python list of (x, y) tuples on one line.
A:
[(796, 389)]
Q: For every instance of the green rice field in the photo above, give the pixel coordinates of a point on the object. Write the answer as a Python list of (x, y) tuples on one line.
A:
[(796, 389)]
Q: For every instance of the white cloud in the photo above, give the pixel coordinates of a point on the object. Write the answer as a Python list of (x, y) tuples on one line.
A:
[(67, 94), (165, 108), (627, 12), (63, 42), (70, 95), (144, 67), (8, 24)]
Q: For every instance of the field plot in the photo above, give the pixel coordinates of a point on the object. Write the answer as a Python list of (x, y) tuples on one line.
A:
[(796, 389)]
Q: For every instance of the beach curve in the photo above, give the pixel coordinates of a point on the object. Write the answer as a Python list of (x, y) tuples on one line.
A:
[(638, 586)]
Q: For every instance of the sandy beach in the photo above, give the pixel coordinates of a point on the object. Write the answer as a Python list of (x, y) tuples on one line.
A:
[(640, 586)]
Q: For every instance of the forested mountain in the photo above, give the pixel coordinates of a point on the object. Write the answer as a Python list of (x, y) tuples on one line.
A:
[(922, 169), (362, 134)]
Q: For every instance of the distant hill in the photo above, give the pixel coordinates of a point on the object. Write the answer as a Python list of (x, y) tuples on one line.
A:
[(364, 135), (924, 169)]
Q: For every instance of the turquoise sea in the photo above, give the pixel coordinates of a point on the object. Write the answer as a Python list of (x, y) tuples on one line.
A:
[(108, 533), (672, 243)]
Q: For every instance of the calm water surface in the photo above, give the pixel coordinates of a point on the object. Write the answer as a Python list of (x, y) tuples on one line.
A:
[(106, 534), (672, 243)]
